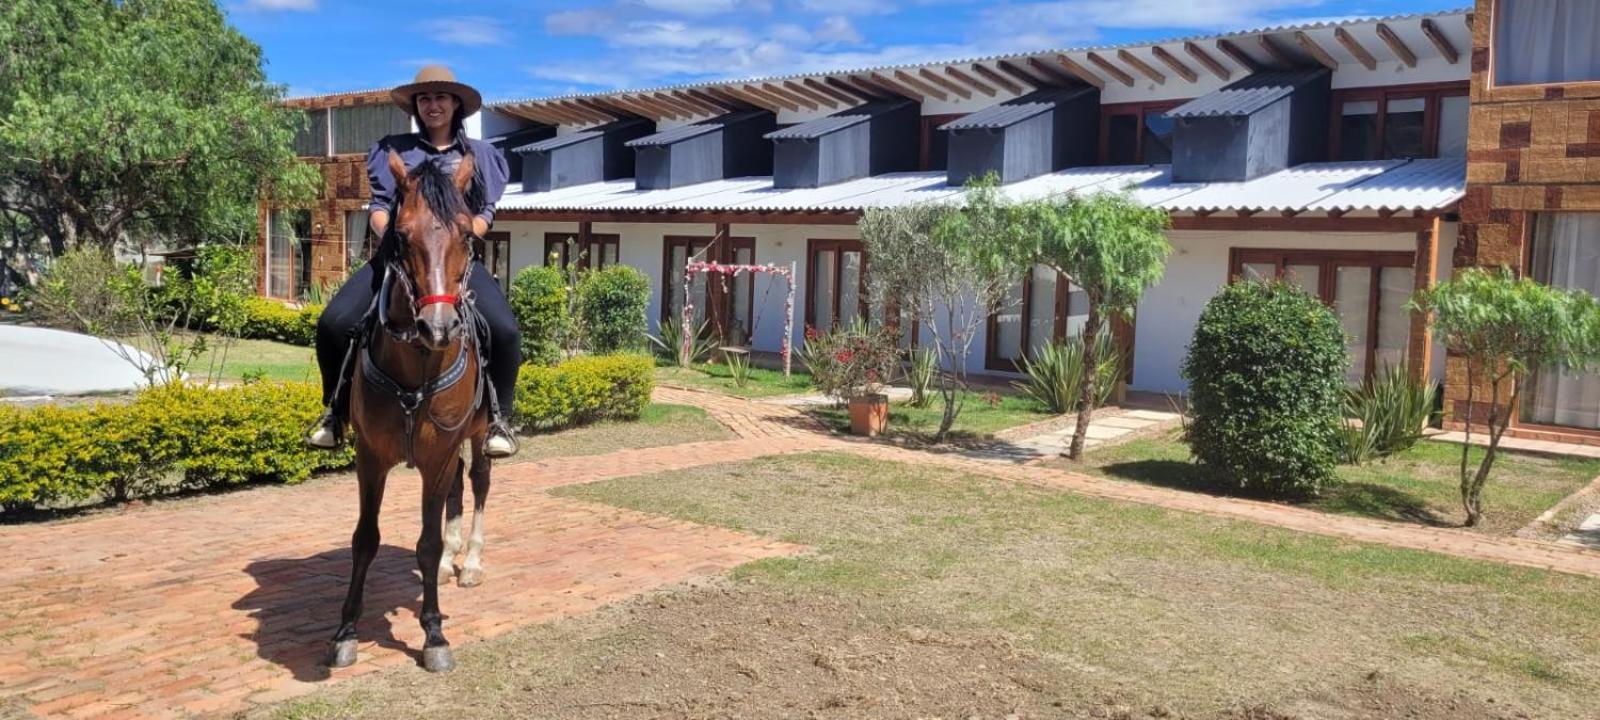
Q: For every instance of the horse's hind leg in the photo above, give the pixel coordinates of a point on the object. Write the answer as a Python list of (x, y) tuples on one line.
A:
[(363, 547), (472, 573), (452, 529), (436, 655)]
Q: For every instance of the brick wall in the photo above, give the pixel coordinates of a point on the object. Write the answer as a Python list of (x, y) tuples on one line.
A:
[(1530, 149), (344, 189)]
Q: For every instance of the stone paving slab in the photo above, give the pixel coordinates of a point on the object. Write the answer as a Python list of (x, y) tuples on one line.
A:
[(1523, 444), (210, 605), (1126, 422)]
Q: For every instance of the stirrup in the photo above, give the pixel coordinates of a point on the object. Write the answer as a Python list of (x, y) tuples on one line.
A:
[(502, 442), (327, 433)]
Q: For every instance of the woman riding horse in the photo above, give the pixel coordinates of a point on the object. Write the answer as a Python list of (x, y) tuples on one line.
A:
[(439, 105)]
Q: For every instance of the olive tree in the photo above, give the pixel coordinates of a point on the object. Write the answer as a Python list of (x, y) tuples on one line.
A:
[(1505, 328), (949, 267), (1112, 247)]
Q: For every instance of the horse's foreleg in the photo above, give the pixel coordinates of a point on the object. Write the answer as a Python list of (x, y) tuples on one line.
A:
[(436, 656), (472, 573), (363, 547), (452, 529)]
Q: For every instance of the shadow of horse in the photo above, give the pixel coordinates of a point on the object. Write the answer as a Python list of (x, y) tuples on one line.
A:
[(296, 605)]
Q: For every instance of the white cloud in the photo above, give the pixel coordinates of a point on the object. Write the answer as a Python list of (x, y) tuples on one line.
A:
[(469, 30), (1078, 18), (277, 5), (848, 7), (589, 21), (837, 29), (691, 7), (680, 35)]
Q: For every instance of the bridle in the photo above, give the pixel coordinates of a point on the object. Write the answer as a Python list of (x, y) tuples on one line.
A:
[(395, 269)]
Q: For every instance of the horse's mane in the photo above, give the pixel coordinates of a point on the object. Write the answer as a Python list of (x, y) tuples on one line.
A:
[(438, 189)]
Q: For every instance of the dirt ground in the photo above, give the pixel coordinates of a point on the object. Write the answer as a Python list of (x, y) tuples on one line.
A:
[(937, 595)]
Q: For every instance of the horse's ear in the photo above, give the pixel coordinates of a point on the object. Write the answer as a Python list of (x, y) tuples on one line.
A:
[(397, 169), (464, 170)]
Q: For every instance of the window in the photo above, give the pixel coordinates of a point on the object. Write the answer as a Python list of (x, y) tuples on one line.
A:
[(1565, 253), (836, 289), (934, 148), (495, 252), (1367, 290), (1546, 41), (1136, 134), (311, 139), (357, 248), (1042, 308), (355, 129), (1401, 122), (732, 320), (598, 252), (288, 236)]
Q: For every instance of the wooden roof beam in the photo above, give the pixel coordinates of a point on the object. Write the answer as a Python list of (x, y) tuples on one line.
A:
[(633, 107), (1142, 66), (976, 84), (795, 88), (683, 109), (728, 103), (1314, 50), (591, 114), (771, 99), (797, 100), (905, 78), (945, 83), (998, 79), (868, 95), (1397, 45), (608, 107), (701, 107), (727, 98), (568, 117), (1184, 71), (894, 87), (1440, 42), (1023, 76), (1080, 72), (1356, 48), (841, 97), (1280, 57), (662, 111), (1209, 63), (1053, 73), (1112, 70), (1237, 55), (761, 101)]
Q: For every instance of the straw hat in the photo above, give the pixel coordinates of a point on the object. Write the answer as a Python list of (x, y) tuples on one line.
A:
[(437, 78)]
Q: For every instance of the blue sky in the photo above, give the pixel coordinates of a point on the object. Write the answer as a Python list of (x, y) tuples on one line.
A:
[(514, 48)]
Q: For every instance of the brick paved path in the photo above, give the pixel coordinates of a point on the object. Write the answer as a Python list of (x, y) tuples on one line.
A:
[(216, 604), (210, 605)]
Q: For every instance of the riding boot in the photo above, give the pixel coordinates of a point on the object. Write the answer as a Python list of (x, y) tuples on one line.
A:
[(502, 442), (328, 432)]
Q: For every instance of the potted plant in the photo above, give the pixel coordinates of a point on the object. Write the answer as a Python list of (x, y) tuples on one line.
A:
[(852, 365)]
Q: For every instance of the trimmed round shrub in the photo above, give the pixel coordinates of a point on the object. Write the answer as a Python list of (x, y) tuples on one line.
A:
[(612, 303), (539, 299), (1266, 378), (267, 319), (583, 390)]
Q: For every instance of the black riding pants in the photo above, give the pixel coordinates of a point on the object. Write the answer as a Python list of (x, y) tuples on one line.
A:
[(344, 312)]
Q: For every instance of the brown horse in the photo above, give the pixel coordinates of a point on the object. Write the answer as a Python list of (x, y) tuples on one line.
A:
[(417, 394)]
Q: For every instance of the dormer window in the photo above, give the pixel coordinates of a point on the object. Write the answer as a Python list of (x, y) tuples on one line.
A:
[(1399, 123), (1136, 134), (1546, 41)]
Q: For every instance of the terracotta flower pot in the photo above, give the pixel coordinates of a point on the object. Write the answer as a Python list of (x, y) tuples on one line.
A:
[(869, 414)]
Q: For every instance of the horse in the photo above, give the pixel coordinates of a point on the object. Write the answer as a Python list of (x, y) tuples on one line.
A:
[(417, 394)]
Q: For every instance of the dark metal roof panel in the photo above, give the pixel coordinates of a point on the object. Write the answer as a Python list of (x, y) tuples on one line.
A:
[(1247, 95), (837, 121), (559, 141), (684, 132), (1014, 111)]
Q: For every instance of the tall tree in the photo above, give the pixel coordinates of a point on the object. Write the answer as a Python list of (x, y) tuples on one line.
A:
[(138, 116), (1505, 328), (1113, 248)]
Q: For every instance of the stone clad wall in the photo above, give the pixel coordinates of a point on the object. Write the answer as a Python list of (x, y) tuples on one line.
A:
[(1530, 149)]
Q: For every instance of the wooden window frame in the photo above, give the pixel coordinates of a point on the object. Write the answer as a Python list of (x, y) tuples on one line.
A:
[(721, 252), (1432, 94), (1139, 109), (1328, 262), (591, 247), (1585, 88), (1058, 332), (839, 248)]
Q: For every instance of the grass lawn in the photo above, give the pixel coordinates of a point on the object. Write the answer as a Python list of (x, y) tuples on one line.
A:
[(1420, 485), (938, 594), (763, 382), (658, 426), (275, 360), (979, 418)]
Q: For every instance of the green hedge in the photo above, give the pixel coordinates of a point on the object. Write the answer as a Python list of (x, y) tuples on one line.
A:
[(267, 319), (612, 303), (583, 390), (539, 300), (167, 439)]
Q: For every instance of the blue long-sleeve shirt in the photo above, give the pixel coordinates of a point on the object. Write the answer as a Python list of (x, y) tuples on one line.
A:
[(413, 149)]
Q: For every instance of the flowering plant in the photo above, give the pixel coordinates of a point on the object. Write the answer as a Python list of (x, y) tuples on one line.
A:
[(849, 362)]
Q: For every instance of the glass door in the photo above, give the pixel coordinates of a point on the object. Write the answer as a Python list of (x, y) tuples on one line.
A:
[(836, 285)]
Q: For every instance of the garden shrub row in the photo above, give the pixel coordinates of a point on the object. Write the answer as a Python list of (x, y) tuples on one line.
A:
[(267, 319), (583, 390), (167, 439)]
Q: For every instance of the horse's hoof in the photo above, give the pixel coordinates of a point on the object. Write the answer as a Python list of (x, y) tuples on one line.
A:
[(342, 653), (447, 573), (470, 577), (438, 659)]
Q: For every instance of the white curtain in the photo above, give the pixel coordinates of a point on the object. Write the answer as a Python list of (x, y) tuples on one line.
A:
[(1566, 254), (1547, 41)]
